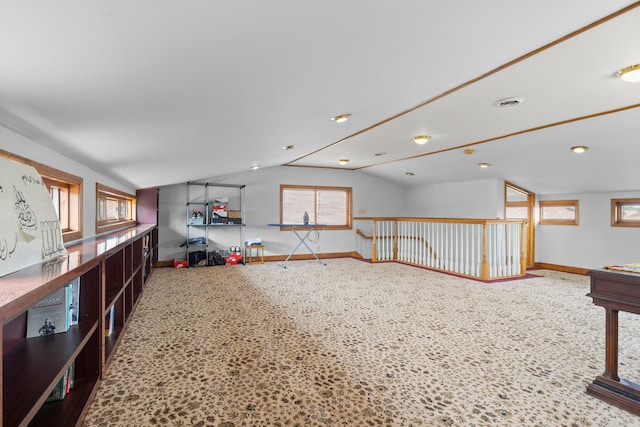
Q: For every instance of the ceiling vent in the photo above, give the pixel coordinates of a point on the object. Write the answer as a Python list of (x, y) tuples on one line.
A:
[(508, 102)]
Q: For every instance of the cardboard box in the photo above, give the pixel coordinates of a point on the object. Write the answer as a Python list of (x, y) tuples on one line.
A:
[(234, 256), (179, 263), (235, 214), (220, 209)]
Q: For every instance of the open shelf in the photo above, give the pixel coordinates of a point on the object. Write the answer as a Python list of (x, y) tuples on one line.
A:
[(68, 411), (114, 276), (118, 324), (208, 198), (112, 270), (39, 363)]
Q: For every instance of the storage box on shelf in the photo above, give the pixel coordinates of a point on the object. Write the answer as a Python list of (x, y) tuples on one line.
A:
[(110, 271)]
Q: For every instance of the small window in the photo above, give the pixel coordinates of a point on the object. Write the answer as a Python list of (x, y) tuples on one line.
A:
[(65, 191), (625, 212), (517, 210), (114, 209), (60, 195), (330, 206), (559, 212)]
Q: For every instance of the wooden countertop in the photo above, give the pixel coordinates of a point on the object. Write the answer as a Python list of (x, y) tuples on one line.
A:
[(21, 289)]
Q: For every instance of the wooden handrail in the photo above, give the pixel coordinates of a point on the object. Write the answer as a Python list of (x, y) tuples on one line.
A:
[(426, 244), (447, 220), (501, 262), (364, 236)]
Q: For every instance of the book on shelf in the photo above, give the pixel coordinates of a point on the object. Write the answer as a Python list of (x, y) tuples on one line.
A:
[(50, 315), (109, 322), (74, 302), (145, 245), (71, 372), (63, 386), (60, 390)]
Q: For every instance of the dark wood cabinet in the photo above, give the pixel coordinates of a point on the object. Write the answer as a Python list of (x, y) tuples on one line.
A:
[(112, 271), (147, 212), (615, 292), (147, 206)]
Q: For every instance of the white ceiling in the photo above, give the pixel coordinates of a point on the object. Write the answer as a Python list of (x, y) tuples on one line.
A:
[(161, 92)]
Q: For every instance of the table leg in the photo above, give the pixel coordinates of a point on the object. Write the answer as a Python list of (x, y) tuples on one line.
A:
[(284, 264), (302, 242), (609, 386), (611, 345)]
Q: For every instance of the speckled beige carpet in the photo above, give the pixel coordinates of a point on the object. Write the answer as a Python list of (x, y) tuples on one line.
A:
[(359, 344)]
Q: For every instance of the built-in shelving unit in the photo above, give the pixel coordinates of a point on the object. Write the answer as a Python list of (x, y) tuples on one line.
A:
[(112, 271), (201, 197)]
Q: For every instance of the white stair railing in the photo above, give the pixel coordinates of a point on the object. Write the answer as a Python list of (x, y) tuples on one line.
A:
[(484, 249)]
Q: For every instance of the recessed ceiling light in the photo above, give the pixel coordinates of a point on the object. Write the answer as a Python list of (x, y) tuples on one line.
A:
[(409, 173), (343, 161), (421, 139), (630, 74), (254, 167), (484, 165), (289, 147), (579, 149), (509, 102), (341, 118)]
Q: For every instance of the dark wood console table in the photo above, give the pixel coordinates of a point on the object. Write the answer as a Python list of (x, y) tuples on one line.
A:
[(615, 291)]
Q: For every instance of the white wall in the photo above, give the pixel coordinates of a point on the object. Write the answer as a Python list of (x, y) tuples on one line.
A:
[(594, 243), (591, 244), (371, 197), (481, 199), (17, 144)]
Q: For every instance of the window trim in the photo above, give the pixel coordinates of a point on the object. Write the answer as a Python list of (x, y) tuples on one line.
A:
[(103, 191), (508, 205), (349, 193), (49, 174), (64, 206), (616, 212), (551, 203)]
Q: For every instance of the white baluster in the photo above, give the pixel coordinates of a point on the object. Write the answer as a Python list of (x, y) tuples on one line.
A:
[(423, 242), (414, 240), (467, 248), (402, 240)]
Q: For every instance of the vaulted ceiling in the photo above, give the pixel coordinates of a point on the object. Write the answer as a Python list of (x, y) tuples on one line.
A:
[(161, 92)]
